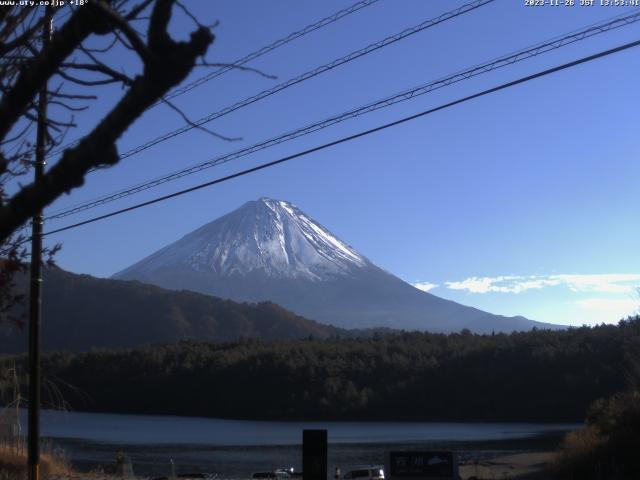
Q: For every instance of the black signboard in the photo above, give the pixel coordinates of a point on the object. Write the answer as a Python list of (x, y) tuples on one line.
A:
[(421, 465), (314, 454)]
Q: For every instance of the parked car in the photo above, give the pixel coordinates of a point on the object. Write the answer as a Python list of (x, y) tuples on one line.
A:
[(278, 474), (375, 472)]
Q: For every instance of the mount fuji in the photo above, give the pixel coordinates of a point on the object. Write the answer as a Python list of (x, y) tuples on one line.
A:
[(269, 250)]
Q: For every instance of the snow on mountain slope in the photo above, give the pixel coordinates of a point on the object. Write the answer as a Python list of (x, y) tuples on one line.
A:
[(269, 250), (272, 237)]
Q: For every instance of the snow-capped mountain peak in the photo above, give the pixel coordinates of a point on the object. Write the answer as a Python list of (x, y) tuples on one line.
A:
[(269, 250), (265, 236)]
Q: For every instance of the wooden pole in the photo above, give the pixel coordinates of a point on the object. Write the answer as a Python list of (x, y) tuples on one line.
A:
[(35, 291)]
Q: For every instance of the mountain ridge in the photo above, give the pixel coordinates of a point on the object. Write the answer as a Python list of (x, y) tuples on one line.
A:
[(80, 312), (270, 250)]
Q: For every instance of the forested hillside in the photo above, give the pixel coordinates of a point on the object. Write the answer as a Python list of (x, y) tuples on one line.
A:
[(538, 376), (81, 312)]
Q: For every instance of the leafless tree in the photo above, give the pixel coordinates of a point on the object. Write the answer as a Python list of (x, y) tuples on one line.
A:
[(76, 64)]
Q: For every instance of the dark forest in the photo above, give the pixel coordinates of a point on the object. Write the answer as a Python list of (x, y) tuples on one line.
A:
[(540, 375)]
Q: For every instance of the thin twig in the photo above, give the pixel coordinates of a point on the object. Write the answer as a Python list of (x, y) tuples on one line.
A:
[(198, 127)]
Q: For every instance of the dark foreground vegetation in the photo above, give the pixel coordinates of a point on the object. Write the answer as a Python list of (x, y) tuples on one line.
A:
[(533, 376), (607, 446)]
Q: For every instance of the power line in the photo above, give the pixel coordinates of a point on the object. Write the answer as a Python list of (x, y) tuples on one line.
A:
[(311, 74), (308, 75), (250, 57), (268, 48), (355, 136), (499, 62)]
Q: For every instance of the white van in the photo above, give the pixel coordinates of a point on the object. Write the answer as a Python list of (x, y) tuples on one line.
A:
[(371, 473)]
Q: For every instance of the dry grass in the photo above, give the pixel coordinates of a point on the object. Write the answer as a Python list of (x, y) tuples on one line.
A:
[(13, 463), (580, 452), (607, 447), (522, 466)]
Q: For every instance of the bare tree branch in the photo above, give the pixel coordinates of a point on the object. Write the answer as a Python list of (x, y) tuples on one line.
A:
[(100, 68), (73, 96), (89, 83), (135, 11), (166, 64), (67, 106), (136, 42), (45, 65), (196, 126), (234, 66)]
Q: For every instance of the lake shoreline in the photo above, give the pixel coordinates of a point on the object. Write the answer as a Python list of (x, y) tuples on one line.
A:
[(236, 449), (148, 429), (240, 461)]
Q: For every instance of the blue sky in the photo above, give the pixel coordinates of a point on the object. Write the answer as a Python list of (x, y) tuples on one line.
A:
[(522, 202)]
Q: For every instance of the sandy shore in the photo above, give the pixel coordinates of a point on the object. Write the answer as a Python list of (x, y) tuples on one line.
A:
[(523, 466)]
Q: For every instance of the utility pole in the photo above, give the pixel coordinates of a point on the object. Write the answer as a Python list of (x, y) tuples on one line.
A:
[(36, 275)]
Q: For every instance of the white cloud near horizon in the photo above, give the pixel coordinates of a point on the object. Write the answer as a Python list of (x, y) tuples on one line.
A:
[(609, 307), (425, 286), (573, 299), (600, 283)]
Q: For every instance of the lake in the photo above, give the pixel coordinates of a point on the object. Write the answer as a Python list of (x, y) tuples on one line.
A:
[(236, 448)]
